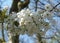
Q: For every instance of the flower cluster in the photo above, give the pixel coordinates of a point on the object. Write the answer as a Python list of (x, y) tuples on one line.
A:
[(30, 22), (33, 22), (48, 7)]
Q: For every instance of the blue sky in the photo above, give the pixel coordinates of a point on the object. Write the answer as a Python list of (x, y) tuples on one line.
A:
[(6, 3)]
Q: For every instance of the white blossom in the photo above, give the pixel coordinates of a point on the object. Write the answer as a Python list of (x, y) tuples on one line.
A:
[(30, 22), (48, 7), (47, 15)]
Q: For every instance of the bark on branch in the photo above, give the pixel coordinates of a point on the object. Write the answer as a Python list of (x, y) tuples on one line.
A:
[(14, 7)]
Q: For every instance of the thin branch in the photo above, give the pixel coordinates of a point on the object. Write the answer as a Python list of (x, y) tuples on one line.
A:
[(47, 37), (41, 8), (55, 6), (3, 32), (42, 3), (36, 5)]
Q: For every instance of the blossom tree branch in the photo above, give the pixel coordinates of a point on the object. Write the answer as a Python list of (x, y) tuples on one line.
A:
[(55, 6), (14, 8)]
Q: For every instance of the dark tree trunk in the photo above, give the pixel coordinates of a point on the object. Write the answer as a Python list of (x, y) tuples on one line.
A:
[(15, 39), (14, 7)]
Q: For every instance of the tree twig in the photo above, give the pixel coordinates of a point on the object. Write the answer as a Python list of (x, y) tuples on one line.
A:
[(55, 6)]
